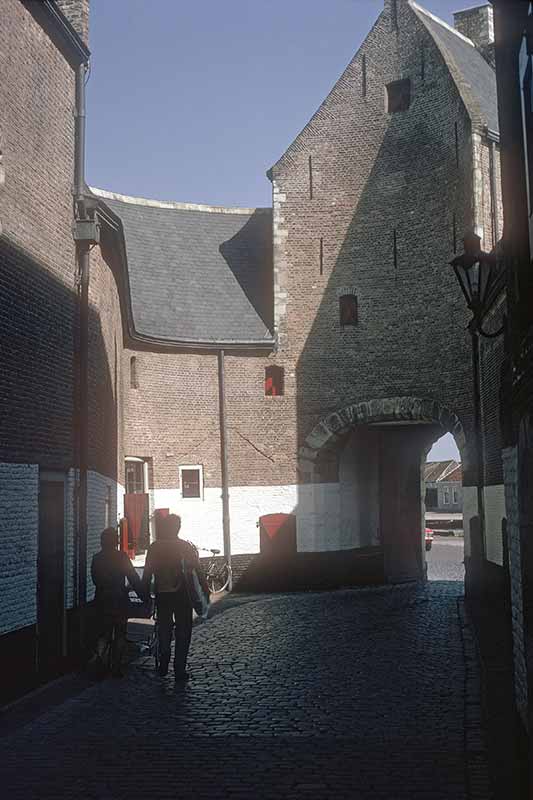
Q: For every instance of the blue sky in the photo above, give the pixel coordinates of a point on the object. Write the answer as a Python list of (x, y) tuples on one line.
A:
[(195, 101)]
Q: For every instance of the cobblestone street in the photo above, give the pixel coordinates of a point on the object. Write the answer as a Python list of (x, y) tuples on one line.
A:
[(348, 694)]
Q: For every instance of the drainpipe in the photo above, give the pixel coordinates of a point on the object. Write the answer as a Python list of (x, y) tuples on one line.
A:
[(224, 463), (477, 217), (480, 450), (493, 193), (83, 241)]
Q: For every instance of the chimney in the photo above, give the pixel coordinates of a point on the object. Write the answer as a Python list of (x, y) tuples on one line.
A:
[(77, 13), (477, 24)]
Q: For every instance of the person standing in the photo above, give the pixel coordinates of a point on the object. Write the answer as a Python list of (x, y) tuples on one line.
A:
[(110, 570), (165, 560)]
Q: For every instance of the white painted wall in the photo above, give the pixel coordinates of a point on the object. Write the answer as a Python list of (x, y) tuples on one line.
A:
[(99, 488), (494, 498), (359, 491), (317, 509), (469, 510), (201, 520), (318, 527), (19, 528)]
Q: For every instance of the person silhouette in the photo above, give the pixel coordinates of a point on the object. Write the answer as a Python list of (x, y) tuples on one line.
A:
[(165, 561), (111, 569)]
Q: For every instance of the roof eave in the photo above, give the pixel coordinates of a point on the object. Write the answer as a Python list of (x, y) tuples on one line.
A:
[(203, 344), (60, 30)]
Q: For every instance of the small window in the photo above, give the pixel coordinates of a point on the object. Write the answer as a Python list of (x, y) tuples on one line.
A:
[(446, 497), (134, 384), (191, 480), (348, 310), (455, 496), (432, 500), (398, 96), (274, 381)]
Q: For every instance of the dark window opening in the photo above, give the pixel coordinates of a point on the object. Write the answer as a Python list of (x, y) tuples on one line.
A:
[(190, 483), (321, 256), (398, 96), (134, 477), (310, 178), (274, 381), (456, 144), (348, 310), (422, 62), (432, 498), (134, 383)]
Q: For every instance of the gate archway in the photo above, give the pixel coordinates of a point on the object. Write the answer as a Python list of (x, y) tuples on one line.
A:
[(399, 432)]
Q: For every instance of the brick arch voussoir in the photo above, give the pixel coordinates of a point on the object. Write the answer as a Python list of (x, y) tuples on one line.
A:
[(333, 426)]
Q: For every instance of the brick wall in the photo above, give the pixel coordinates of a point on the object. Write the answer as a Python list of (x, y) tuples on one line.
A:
[(105, 371), (379, 180), (476, 23), (77, 13), (510, 464), (380, 183), (37, 258), (19, 522)]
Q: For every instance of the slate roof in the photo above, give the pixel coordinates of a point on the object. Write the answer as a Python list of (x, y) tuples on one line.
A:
[(474, 77), (197, 274)]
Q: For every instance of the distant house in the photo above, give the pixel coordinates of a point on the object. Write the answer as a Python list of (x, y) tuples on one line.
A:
[(444, 486)]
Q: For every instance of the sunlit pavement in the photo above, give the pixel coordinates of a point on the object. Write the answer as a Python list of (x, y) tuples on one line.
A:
[(446, 559), (349, 694)]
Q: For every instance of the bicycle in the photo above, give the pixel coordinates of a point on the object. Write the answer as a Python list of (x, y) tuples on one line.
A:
[(217, 573), (151, 646)]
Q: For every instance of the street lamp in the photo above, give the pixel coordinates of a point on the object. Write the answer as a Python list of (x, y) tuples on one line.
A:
[(476, 272)]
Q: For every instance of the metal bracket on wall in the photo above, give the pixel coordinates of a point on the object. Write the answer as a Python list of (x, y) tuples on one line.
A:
[(86, 230)]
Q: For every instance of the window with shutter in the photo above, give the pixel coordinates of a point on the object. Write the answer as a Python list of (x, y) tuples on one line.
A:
[(348, 310), (398, 96), (191, 482), (274, 381)]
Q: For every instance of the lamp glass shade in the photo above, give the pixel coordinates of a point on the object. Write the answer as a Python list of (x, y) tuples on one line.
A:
[(476, 281)]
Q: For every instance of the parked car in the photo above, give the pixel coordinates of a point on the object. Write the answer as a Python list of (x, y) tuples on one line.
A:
[(429, 538)]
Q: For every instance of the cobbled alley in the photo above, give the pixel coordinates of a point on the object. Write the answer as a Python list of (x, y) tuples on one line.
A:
[(363, 693)]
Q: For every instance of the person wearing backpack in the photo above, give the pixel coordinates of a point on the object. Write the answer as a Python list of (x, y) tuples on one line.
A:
[(165, 561)]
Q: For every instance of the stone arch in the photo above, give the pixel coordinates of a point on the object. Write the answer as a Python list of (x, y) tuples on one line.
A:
[(334, 425)]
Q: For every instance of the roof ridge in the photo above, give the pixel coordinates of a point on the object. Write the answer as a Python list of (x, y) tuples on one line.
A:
[(144, 201), (434, 17), (466, 92)]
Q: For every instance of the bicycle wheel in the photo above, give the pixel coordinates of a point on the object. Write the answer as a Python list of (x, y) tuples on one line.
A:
[(154, 646), (218, 578)]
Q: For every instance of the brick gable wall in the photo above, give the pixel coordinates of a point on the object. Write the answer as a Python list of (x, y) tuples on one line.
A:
[(377, 178)]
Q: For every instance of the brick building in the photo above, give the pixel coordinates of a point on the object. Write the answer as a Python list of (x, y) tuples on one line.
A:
[(40, 358), (362, 360), (322, 342), (443, 486)]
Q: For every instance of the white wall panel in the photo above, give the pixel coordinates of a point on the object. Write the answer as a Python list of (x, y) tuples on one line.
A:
[(494, 497), (469, 511), (19, 530)]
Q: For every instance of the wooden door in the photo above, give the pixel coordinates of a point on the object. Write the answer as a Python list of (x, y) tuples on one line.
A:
[(50, 578)]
